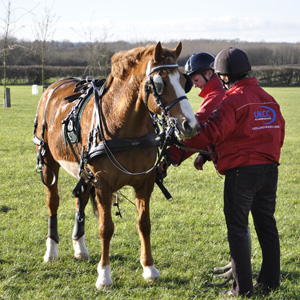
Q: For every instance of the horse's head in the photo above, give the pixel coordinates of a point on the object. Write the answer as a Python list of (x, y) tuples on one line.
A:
[(166, 88)]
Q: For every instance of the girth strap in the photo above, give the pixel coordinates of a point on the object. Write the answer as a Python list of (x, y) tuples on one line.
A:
[(119, 145)]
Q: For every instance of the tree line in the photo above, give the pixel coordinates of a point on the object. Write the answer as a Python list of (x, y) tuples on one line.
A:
[(272, 63)]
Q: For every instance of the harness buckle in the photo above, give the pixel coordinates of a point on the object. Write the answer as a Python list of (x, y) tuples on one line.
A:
[(172, 124)]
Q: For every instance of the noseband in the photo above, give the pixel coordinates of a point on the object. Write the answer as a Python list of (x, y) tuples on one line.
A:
[(157, 85)]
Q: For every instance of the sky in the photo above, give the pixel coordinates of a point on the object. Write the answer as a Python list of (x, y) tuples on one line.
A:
[(158, 20)]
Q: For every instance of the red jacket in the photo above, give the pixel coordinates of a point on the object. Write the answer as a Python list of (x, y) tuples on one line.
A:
[(247, 127), (212, 94)]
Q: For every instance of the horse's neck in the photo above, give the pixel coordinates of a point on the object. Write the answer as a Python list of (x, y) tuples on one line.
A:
[(125, 111)]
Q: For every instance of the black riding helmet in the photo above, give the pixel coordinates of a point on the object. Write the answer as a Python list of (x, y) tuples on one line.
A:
[(232, 62), (198, 63)]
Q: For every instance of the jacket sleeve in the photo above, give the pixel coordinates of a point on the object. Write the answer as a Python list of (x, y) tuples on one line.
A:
[(217, 128), (177, 155), (282, 126)]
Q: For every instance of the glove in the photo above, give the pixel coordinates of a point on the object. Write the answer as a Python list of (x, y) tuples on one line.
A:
[(199, 162)]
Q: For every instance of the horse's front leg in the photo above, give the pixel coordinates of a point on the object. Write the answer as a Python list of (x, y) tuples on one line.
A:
[(144, 225), (80, 249), (106, 230)]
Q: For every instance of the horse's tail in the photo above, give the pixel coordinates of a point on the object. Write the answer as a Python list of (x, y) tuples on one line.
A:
[(93, 201)]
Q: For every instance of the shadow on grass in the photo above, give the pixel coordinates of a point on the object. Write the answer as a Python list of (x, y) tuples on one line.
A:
[(293, 277), (5, 209)]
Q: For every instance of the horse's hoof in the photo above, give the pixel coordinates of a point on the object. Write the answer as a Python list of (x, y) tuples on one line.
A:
[(104, 278), (80, 250), (150, 274), (52, 250), (82, 256)]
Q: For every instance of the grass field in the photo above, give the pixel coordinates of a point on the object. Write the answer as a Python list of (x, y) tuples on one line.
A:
[(188, 233)]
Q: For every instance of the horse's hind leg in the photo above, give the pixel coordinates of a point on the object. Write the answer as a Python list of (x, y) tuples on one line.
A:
[(52, 203), (80, 250), (142, 203)]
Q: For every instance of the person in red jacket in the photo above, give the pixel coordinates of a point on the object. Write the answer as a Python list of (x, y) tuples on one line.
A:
[(247, 130), (199, 68)]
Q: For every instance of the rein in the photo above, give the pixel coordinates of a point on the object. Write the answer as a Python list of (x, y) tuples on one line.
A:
[(200, 151)]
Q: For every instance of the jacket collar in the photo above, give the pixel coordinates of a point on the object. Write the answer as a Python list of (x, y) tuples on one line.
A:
[(242, 83), (212, 84)]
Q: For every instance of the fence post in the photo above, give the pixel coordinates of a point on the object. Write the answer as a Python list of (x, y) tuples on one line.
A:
[(7, 97)]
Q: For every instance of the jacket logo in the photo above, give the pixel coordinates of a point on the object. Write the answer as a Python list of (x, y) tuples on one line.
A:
[(267, 113)]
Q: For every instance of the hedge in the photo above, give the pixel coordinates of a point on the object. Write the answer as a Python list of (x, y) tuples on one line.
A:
[(266, 75), (33, 74)]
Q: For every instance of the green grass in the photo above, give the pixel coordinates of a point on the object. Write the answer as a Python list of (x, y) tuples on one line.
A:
[(188, 233)]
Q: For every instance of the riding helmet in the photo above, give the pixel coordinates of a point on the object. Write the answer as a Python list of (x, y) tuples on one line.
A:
[(232, 62), (198, 63)]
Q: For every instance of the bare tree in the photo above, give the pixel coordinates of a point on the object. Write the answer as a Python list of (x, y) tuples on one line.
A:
[(44, 31), (97, 51), (8, 28), (7, 24)]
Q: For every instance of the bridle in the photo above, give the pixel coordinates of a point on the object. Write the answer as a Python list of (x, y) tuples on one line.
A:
[(155, 85)]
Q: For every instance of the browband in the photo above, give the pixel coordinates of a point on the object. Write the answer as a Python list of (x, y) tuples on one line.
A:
[(150, 70)]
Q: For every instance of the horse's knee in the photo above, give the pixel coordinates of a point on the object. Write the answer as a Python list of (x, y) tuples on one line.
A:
[(104, 276), (52, 250)]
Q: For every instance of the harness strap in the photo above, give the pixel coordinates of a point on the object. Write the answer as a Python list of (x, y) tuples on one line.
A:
[(175, 102), (70, 144), (41, 142), (40, 161), (159, 181)]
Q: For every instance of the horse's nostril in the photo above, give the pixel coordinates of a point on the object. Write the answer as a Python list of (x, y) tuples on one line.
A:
[(188, 130), (186, 126)]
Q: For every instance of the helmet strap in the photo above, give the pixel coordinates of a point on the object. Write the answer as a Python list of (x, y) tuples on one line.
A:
[(224, 83), (204, 77)]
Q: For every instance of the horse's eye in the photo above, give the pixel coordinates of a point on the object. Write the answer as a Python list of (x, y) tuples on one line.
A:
[(158, 83)]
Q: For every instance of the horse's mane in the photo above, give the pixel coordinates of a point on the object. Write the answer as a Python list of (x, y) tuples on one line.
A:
[(122, 62)]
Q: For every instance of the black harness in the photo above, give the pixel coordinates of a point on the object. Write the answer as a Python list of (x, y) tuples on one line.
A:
[(164, 127)]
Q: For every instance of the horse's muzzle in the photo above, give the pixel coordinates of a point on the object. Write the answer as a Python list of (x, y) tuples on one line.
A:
[(187, 129)]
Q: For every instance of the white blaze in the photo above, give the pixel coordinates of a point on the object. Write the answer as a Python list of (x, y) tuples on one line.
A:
[(184, 104)]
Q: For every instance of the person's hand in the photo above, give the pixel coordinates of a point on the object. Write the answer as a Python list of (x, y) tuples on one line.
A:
[(199, 162)]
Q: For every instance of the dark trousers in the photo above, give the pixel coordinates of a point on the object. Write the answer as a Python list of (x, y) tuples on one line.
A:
[(252, 188)]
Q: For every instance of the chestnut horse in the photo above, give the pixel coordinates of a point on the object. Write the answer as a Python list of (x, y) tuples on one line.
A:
[(142, 80)]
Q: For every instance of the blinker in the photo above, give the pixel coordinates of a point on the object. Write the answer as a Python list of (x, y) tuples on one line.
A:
[(158, 83)]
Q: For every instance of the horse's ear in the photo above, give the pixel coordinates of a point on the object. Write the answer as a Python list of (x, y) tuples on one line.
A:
[(158, 52), (178, 49)]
